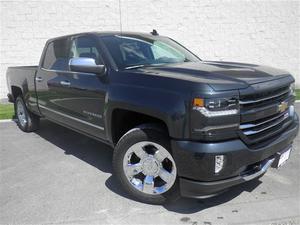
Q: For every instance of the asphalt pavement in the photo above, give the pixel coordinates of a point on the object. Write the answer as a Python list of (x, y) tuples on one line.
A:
[(57, 176)]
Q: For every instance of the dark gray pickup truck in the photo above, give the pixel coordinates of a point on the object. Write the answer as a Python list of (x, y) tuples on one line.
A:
[(178, 125)]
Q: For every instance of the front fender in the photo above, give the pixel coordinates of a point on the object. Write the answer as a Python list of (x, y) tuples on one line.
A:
[(170, 107)]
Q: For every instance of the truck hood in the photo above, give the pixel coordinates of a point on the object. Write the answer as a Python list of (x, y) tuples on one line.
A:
[(220, 76)]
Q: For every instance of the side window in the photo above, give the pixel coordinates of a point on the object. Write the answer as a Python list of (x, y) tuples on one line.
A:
[(57, 55), (135, 52), (85, 47)]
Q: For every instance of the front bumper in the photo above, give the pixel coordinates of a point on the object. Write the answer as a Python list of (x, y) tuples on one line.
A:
[(195, 162)]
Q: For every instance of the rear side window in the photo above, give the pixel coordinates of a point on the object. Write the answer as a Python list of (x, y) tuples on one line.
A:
[(57, 55)]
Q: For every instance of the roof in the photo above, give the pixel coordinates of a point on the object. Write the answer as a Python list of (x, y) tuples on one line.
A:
[(105, 33)]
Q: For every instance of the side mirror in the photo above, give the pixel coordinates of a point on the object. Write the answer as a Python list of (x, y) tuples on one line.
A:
[(86, 65)]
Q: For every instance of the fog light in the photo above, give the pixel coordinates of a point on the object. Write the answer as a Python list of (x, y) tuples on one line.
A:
[(219, 163)]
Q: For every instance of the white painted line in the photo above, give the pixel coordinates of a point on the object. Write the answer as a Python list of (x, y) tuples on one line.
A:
[(7, 120)]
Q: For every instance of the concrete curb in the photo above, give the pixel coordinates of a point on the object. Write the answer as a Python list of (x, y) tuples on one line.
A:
[(8, 120)]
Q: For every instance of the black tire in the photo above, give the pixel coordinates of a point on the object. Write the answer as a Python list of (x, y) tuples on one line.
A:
[(135, 135), (30, 122)]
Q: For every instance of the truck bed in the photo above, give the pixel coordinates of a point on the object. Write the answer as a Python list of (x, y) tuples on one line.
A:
[(23, 78), (24, 67)]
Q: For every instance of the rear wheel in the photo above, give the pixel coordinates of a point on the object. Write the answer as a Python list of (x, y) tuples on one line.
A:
[(26, 120), (145, 167)]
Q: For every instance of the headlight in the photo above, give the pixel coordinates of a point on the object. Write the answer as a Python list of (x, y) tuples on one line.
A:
[(216, 107), (292, 89)]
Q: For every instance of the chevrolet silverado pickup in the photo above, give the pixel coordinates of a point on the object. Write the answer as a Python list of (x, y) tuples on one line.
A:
[(178, 125)]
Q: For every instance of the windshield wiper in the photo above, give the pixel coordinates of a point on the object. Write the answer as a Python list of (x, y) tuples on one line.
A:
[(134, 67)]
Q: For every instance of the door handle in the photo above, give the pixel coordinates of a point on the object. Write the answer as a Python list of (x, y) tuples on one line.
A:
[(65, 83), (39, 79)]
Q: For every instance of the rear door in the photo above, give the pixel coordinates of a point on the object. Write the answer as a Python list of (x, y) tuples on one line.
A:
[(53, 69), (73, 98)]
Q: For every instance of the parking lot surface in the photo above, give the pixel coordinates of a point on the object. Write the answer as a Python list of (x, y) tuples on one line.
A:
[(57, 176)]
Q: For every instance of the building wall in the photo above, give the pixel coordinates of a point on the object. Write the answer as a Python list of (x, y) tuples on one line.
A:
[(263, 32)]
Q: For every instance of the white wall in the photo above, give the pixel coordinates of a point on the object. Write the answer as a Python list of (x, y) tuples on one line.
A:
[(264, 32)]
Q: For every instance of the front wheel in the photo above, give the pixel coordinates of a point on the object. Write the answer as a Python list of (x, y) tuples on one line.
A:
[(27, 121), (145, 167)]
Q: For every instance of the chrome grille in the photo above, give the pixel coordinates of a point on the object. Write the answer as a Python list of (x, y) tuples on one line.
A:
[(260, 126), (277, 94), (261, 115)]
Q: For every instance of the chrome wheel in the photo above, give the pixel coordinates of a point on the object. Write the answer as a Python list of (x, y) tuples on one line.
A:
[(21, 114), (149, 168)]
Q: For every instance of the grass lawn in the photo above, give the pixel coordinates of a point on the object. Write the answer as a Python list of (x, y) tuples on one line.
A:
[(6, 111), (298, 94)]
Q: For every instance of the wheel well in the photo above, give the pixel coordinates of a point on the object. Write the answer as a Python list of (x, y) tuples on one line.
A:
[(124, 120), (16, 91)]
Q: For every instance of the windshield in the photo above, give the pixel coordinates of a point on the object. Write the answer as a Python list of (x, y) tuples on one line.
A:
[(133, 51)]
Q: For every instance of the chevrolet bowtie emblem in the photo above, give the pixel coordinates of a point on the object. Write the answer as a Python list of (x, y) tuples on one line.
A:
[(282, 106)]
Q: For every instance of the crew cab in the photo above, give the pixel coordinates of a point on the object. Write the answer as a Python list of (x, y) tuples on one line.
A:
[(178, 125)]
